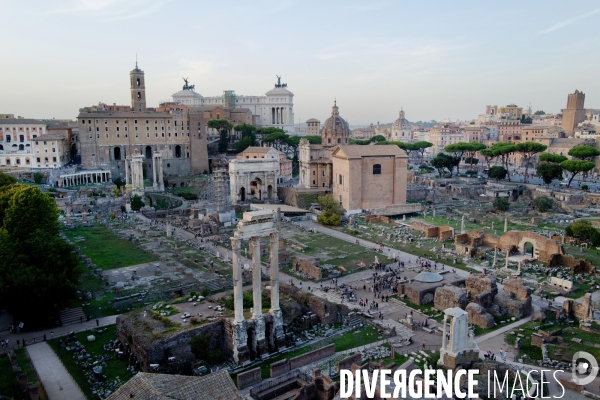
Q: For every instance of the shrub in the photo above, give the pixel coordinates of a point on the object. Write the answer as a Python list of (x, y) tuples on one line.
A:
[(123, 209), (542, 204), (584, 187), (205, 291), (188, 196), (37, 177), (501, 204), (194, 321)]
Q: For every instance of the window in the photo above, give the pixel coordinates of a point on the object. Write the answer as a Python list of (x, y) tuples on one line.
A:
[(377, 169), (54, 150), (106, 121), (314, 183), (341, 183), (323, 173)]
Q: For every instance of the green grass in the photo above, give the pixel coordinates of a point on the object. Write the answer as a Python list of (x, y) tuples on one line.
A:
[(9, 386), (107, 250), (114, 368)]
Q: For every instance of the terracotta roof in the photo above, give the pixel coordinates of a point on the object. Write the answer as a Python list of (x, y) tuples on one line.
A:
[(145, 386), (356, 150), (256, 149)]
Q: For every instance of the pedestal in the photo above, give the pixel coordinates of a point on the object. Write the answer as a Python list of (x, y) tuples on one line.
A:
[(262, 347), (278, 333), (241, 353)]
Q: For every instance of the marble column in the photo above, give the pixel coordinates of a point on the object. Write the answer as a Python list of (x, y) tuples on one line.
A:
[(238, 283), (256, 278), (126, 172), (505, 225), (154, 182), (462, 225), (495, 256), (506, 265), (274, 265), (161, 182)]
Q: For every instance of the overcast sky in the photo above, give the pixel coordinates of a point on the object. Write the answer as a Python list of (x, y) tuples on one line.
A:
[(435, 59)]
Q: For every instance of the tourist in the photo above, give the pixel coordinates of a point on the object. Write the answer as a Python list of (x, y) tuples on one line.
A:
[(424, 343), (97, 322)]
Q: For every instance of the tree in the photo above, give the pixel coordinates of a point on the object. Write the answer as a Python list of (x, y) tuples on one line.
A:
[(330, 214), (583, 229), (444, 161), (488, 154), (120, 182), (539, 112), (528, 150), (472, 149), (378, 138), (526, 120), (501, 204), (472, 161), (584, 152), (248, 137), (457, 150), (575, 167), (549, 171), (552, 158), (223, 127), (503, 150), (136, 202), (37, 177), (39, 271), (277, 138), (6, 180), (497, 172), (542, 204), (313, 139), (421, 146)]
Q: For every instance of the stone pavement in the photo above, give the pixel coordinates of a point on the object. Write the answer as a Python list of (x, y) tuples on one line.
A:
[(57, 381)]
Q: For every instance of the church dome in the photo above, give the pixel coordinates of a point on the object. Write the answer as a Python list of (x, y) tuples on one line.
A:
[(401, 122), (335, 129)]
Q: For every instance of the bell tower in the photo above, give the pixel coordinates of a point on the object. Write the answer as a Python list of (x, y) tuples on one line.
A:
[(138, 89)]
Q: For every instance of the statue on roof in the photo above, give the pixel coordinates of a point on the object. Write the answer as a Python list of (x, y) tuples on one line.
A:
[(278, 80), (187, 86)]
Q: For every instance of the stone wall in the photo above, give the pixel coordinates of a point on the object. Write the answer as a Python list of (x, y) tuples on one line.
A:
[(325, 311), (347, 362), (465, 357), (583, 311), (516, 286), (577, 265), (537, 340), (248, 378), (420, 293), (515, 299), (478, 316), (482, 289), (449, 297), (308, 266), (428, 229), (279, 368)]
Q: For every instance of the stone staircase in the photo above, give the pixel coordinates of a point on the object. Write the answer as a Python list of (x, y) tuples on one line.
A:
[(71, 316), (401, 330), (354, 320)]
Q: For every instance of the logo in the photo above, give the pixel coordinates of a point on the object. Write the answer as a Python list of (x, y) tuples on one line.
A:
[(582, 368)]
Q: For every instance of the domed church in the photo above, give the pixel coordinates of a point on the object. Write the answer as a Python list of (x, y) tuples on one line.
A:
[(360, 177), (400, 129)]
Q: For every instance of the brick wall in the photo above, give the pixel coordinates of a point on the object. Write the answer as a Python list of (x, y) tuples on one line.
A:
[(248, 378), (312, 356), (347, 362), (280, 367)]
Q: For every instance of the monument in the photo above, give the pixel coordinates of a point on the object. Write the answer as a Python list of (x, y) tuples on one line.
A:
[(251, 339), (458, 345)]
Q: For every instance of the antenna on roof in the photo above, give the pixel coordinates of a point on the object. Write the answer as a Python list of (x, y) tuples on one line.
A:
[(136, 60)]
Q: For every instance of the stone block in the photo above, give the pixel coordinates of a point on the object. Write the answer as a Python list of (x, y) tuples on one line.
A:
[(449, 297), (479, 317)]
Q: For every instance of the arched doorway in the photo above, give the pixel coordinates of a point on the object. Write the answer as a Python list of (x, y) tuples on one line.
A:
[(148, 153), (256, 188), (528, 249), (117, 153), (270, 192), (242, 194)]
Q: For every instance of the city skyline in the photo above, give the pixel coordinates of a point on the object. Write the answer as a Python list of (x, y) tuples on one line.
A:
[(434, 60)]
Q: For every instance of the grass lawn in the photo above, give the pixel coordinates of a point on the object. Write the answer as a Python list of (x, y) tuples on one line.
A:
[(105, 249), (9, 386), (348, 340), (114, 370)]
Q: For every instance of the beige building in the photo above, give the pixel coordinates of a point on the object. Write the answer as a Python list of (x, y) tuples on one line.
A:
[(361, 177), (313, 127), (511, 112), (530, 133), (52, 150), (369, 178), (110, 134), (16, 137), (574, 113), (443, 135)]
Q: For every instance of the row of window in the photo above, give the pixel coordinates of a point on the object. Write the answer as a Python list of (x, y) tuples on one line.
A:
[(135, 121), (27, 161), (118, 135)]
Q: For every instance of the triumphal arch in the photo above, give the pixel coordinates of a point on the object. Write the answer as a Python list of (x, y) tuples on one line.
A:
[(262, 333)]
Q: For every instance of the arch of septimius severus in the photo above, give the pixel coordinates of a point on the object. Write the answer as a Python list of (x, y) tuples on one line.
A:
[(262, 333)]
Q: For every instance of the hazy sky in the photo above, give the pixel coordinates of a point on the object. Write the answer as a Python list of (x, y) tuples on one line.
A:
[(435, 59)]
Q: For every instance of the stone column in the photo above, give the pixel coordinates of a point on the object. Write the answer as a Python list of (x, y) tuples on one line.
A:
[(126, 172), (274, 265), (256, 278), (495, 256), (505, 225), (506, 265), (161, 182), (444, 332), (462, 225), (237, 280), (154, 182)]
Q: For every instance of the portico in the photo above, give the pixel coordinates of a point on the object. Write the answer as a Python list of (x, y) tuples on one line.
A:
[(84, 178)]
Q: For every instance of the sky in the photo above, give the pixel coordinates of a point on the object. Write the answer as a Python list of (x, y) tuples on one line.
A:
[(435, 59)]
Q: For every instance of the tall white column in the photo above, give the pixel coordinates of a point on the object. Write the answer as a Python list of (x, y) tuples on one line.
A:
[(126, 172), (154, 181), (274, 265), (238, 293), (256, 278), (161, 182)]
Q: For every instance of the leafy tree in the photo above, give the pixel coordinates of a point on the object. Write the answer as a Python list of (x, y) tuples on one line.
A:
[(497, 172), (278, 138), (549, 171), (37, 177), (584, 152), (542, 204), (552, 158), (526, 120), (503, 150), (539, 112), (39, 271), (472, 161), (528, 150), (330, 214), (584, 187), (313, 139), (295, 165), (223, 127), (472, 149), (421, 146), (583, 229), (6, 179), (575, 167), (501, 204), (488, 154), (248, 137), (378, 138), (136, 202), (200, 345), (444, 161), (244, 143), (120, 182), (458, 150)]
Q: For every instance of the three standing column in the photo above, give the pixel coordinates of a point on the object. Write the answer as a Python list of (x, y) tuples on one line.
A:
[(256, 278)]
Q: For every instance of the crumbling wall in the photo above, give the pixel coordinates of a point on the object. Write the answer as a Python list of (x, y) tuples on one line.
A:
[(577, 265), (326, 312), (309, 266), (248, 378), (478, 316), (515, 299), (482, 289), (449, 297), (428, 229), (572, 309)]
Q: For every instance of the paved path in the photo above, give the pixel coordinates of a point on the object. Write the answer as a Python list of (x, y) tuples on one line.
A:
[(57, 381)]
